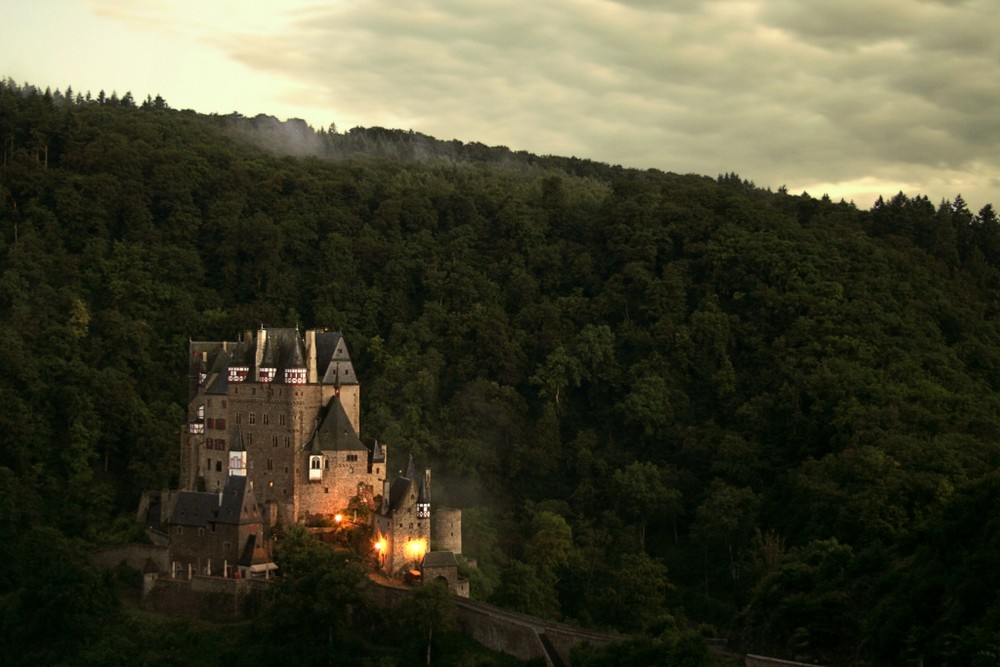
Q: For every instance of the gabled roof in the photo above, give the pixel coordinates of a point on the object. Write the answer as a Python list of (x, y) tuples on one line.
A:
[(238, 502), (333, 359), (335, 432), (198, 508), (194, 508)]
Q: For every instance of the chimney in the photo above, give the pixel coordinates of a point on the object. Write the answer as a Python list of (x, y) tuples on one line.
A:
[(312, 374)]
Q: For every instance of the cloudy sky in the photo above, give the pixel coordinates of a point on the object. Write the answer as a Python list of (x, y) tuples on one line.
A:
[(854, 98)]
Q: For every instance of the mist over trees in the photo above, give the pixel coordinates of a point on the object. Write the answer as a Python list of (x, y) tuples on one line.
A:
[(661, 399)]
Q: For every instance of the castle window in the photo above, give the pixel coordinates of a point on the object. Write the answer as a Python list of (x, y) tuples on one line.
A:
[(223, 402), (225, 545), (253, 418), (274, 441), (270, 465), (352, 457), (201, 532), (327, 464), (266, 418), (208, 464), (218, 466), (210, 423), (287, 441), (220, 424), (249, 439), (180, 530), (281, 419), (239, 418)]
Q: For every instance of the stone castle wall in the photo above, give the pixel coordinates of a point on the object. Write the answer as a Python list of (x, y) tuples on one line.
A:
[(134, 556)]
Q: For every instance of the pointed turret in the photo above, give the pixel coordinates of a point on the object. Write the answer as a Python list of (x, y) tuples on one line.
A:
[(424, 497), (295, 363), (268, 367), (237, 455)]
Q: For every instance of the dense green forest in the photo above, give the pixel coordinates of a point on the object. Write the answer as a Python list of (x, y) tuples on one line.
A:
[(661, 400)]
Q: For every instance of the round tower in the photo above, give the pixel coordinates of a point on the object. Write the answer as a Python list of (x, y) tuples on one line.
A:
[(446, 530)]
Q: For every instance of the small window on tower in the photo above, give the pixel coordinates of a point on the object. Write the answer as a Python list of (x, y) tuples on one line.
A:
[(218, 466), (266, 420), (253, 418), (239, 418), (281, 419)]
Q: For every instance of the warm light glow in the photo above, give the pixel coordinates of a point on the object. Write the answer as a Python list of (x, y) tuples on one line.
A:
[(338, 518), (380, 545), (416, 549)]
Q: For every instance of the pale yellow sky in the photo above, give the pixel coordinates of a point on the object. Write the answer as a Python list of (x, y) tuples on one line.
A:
[(849, 97)]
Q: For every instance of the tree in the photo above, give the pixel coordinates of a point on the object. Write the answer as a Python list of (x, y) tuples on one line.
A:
[(641, 493), (725, 518)]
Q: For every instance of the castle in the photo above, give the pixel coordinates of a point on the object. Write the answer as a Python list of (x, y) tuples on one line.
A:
[(272, 439)]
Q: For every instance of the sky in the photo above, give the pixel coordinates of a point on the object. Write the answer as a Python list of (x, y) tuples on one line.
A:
[(850, 98)]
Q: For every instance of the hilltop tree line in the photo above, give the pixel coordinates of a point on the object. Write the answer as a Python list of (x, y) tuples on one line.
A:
[(659, 398)]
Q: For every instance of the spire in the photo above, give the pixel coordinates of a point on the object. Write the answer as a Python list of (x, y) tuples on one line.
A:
[(237, 455), (424, 496)]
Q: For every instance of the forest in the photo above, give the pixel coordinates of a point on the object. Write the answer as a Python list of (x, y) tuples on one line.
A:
[(668, 405)]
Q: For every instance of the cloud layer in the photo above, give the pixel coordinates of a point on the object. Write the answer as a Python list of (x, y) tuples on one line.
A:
[(848, 97)]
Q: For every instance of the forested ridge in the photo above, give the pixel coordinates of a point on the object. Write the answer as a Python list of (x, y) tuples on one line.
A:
[(660, 399)]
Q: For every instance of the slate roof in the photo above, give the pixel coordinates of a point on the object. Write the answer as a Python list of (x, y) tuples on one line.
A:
[(199, 508), (333, 360), (253, 553), (399, 491), (284, 348), (440, 559), (335, 432)]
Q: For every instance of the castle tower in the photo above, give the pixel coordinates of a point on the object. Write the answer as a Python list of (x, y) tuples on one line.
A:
[(401, 525), (446, 530)]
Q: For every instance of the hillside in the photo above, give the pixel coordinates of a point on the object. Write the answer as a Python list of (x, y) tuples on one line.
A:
[(658, 397)]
